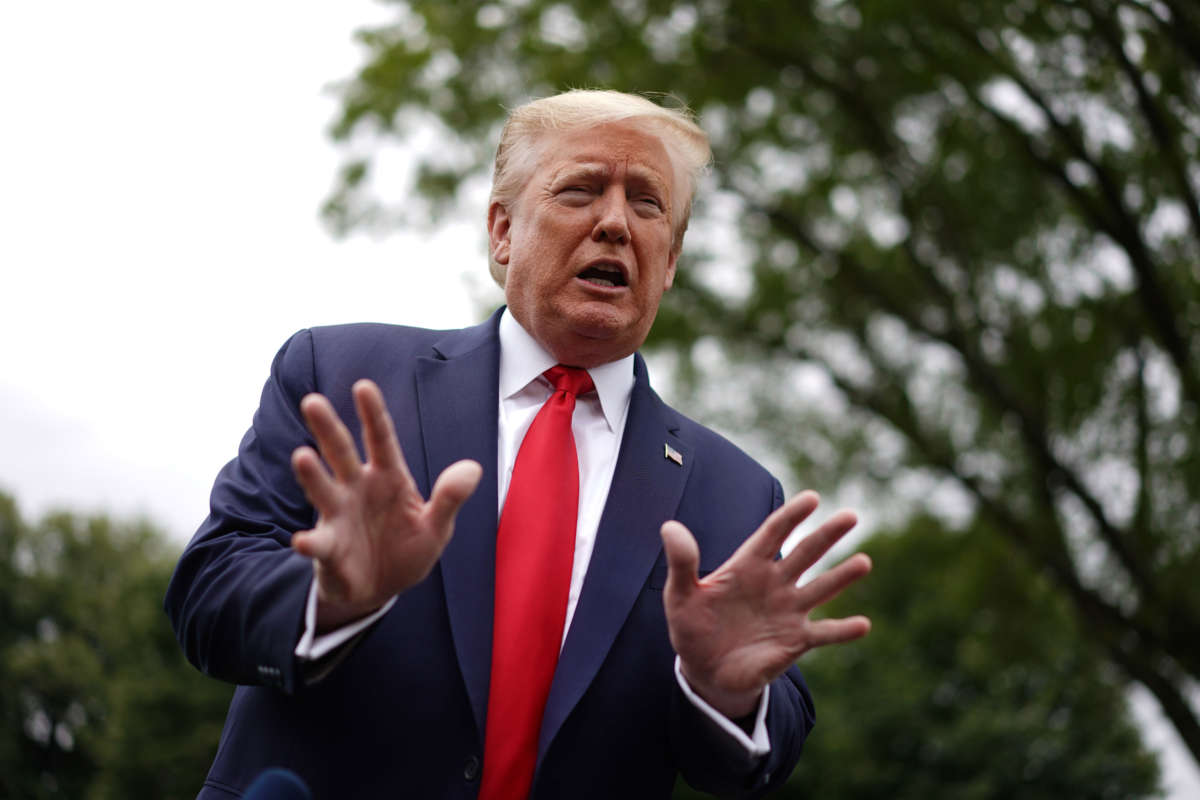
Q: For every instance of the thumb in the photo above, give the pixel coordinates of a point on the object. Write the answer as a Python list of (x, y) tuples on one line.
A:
[(456, 483), (683, 559), (311, 544)]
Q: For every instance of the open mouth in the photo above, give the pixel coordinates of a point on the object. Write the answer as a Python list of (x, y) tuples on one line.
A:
[(604, 275)]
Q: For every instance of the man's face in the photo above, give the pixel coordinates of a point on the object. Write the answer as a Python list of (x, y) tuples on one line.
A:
[(587, 244)]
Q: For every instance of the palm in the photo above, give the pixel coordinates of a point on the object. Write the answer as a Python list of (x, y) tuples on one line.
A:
[(742, 626), (375, 535)]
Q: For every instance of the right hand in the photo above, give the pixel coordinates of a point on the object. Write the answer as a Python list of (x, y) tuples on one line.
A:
[(375, 535), (741, 626)]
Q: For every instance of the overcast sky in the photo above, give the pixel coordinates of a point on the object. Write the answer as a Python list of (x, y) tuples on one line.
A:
[(161, 168)]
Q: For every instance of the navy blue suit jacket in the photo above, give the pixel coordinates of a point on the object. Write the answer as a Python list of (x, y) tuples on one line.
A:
[(403, 714)]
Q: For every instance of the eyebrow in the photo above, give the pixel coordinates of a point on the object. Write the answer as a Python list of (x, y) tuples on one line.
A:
[(581, 170), (594, 170)]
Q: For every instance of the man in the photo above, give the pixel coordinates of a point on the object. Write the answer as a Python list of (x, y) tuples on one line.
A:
[(393, 646)]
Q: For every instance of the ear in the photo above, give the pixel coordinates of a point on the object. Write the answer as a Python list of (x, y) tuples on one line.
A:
[(499, 223), (669, 278)]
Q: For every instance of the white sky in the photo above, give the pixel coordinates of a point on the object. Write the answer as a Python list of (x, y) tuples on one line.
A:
[(161, 168)]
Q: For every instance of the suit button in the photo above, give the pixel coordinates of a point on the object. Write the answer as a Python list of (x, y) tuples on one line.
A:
[(471, 768)]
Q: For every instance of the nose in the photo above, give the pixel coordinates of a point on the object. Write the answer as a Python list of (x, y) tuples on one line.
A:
[(612, 223)]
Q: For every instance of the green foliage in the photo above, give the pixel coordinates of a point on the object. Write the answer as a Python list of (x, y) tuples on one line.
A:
[(966, 274), (975, 682), (96, 700)]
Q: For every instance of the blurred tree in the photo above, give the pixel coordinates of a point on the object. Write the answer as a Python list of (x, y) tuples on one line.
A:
[(976, 682), (965, 267), (96, 700)]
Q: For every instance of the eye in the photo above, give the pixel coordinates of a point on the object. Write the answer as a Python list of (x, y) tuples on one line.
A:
[(575, 193), (649, 203)]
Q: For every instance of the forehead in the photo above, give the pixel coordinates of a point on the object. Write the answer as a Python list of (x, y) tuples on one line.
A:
[(605, 149)]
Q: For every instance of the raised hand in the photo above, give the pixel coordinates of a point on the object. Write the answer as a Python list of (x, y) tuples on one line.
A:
[(745, 623), (375, 535)]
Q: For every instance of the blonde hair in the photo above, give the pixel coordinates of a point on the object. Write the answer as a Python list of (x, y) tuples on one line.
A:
[(518, 151)]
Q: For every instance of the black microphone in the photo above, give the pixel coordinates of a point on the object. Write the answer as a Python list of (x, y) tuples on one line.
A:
[(278, 784)]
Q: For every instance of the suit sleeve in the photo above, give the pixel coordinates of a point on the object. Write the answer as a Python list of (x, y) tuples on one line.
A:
[(236, 599), (712, 761)]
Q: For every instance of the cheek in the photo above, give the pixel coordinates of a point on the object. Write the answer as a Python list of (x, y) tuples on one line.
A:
[(527, 284), (531, 245)]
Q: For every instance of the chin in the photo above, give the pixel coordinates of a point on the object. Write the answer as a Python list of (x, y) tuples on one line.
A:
[(593, 348), (598, 321)]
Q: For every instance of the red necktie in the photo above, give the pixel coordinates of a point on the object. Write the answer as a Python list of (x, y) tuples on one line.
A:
[(535, 547)]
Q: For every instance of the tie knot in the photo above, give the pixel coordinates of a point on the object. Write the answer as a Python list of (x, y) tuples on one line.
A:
[(572, 380)]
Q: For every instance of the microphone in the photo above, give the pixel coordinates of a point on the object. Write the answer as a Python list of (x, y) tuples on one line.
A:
[(278, 784)]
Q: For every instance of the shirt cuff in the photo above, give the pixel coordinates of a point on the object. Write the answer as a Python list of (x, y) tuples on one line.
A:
[(313, 646), (758, 743)]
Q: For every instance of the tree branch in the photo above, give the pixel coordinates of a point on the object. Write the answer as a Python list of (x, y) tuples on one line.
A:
[(1156, 117), (1142, 510), (1172, 701), (1186, 40), (1032, 425), (1048, 549), (1119, 223), (1184, 27)]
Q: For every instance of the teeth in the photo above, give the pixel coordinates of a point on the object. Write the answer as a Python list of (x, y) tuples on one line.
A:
[(601, 282)]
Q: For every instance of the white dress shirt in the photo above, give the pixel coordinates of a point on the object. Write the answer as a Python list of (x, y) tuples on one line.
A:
[(598, 425)]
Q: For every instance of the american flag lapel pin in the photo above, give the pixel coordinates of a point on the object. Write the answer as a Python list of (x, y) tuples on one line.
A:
[(671, 454)]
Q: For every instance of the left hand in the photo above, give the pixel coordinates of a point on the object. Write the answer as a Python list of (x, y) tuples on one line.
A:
[(375, 536), (741, 626)]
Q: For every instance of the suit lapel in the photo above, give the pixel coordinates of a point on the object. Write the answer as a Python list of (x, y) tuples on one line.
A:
[(456, 397), (646, 490)]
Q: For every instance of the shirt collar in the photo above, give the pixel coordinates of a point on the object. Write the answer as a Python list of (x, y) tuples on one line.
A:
[(522, 360)]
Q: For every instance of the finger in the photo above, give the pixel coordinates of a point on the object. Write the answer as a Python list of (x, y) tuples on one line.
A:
[(333, 438), (450, 491), (809, 549), (318, 486), (833, 631), (829, 585), (314, 544), (379, 432), (683, 560), (770, 536)]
